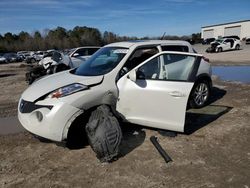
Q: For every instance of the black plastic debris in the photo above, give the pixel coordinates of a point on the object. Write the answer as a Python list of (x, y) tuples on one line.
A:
[(162, 152)]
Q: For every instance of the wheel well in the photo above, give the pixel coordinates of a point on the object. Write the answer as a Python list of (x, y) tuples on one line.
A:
[(76, 136), (204, 77)]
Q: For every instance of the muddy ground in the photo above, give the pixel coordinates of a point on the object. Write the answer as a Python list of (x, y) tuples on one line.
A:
[(215, 152)]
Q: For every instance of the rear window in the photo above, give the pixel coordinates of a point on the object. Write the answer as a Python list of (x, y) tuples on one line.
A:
[(177, 48)]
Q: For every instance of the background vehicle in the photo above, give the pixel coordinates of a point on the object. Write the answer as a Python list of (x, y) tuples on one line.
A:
[(208, 41), (81, 54), (12, 57), (224, 44), (39, 55), (53, 62), (106, 87), (3, 59), (248, 40), (232, 36)]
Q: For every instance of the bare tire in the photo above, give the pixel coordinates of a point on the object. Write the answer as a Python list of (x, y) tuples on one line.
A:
[(200, 94), (104, 134)]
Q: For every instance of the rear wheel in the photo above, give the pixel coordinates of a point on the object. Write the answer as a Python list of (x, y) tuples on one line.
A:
[(200, 94), (220, 49), (104, 134)]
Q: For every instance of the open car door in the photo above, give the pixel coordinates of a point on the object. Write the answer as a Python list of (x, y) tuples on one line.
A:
[(156, 92)]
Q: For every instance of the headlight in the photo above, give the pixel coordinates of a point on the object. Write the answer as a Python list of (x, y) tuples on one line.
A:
[(67, 90)]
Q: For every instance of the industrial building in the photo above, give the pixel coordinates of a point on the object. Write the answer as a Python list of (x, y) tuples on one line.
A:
[(240, 29)]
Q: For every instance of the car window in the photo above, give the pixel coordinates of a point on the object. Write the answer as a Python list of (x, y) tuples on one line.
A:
[(82, 52), (175, 67), (179, 48), (91, 51), (139, 56)]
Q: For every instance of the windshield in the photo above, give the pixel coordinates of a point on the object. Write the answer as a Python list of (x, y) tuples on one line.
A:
[(102, 62)]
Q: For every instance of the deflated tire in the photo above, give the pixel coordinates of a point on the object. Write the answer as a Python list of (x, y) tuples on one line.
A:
[(104, 134)]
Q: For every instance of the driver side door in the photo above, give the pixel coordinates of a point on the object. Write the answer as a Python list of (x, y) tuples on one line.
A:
[(156, 92)]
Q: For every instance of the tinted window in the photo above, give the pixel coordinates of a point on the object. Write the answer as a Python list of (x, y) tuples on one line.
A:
[(177, 48), (91, 51), (140, 55), (82, 52)]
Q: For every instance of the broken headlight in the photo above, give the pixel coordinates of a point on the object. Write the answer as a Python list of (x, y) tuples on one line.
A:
[(67, 90)]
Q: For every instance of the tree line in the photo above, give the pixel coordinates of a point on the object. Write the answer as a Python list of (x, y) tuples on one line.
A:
[(61, 38)]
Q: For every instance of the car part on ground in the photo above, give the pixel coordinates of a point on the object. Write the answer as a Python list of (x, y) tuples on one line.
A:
[(162, 73), (162, 152), (104, 134)]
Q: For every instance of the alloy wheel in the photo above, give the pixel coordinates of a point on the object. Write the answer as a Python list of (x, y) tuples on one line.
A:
[(201, 94)]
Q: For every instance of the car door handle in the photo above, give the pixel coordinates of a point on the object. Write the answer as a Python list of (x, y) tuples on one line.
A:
[(176, 94)]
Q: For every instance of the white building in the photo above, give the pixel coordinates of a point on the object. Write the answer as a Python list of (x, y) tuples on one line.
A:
[(240, 28)]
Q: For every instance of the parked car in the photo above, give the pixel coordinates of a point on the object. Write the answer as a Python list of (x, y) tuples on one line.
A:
[(248, 40), (52, 62), (208, 41), (224, 44), (3, 59), (12, 57), (39, 55), (141, 82), (81, 54), (232, 36)]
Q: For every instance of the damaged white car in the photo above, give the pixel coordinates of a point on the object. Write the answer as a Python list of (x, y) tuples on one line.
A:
[(225, 44), (149, 83)]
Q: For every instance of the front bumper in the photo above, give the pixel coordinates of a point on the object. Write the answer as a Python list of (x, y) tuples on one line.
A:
[(48, 120)]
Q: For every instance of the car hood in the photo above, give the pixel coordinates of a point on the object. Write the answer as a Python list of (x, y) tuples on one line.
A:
[(50, 83), (215, 44)]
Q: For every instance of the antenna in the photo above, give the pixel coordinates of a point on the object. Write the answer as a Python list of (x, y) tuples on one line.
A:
[(163, 36)]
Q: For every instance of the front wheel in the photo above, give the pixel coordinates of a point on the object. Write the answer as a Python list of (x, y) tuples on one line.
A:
[(104, 134), (237, 47), (200, 94), (219, 50)]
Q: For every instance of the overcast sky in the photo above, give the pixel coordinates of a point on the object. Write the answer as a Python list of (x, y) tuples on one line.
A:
[(129, 17)]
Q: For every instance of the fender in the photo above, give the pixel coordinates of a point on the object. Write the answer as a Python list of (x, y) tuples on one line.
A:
[(69, 123)]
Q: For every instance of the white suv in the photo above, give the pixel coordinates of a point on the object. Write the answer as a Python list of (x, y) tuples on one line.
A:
[(136, 81)]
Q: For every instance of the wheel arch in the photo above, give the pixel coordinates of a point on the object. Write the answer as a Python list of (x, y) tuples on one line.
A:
[(204, 77), (74, 124), (201, 77)]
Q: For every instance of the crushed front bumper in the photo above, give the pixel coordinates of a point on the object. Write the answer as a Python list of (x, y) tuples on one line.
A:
[(49, 121)]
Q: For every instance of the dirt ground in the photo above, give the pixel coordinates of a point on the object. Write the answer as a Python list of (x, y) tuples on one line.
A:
[(215, 152)]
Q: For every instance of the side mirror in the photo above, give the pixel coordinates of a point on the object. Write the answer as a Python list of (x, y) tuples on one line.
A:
[(132, 75), (75, 54), (136, 74)]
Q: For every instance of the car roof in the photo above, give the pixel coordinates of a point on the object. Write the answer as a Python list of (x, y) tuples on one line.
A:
[(86, 47), (128, 44)]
